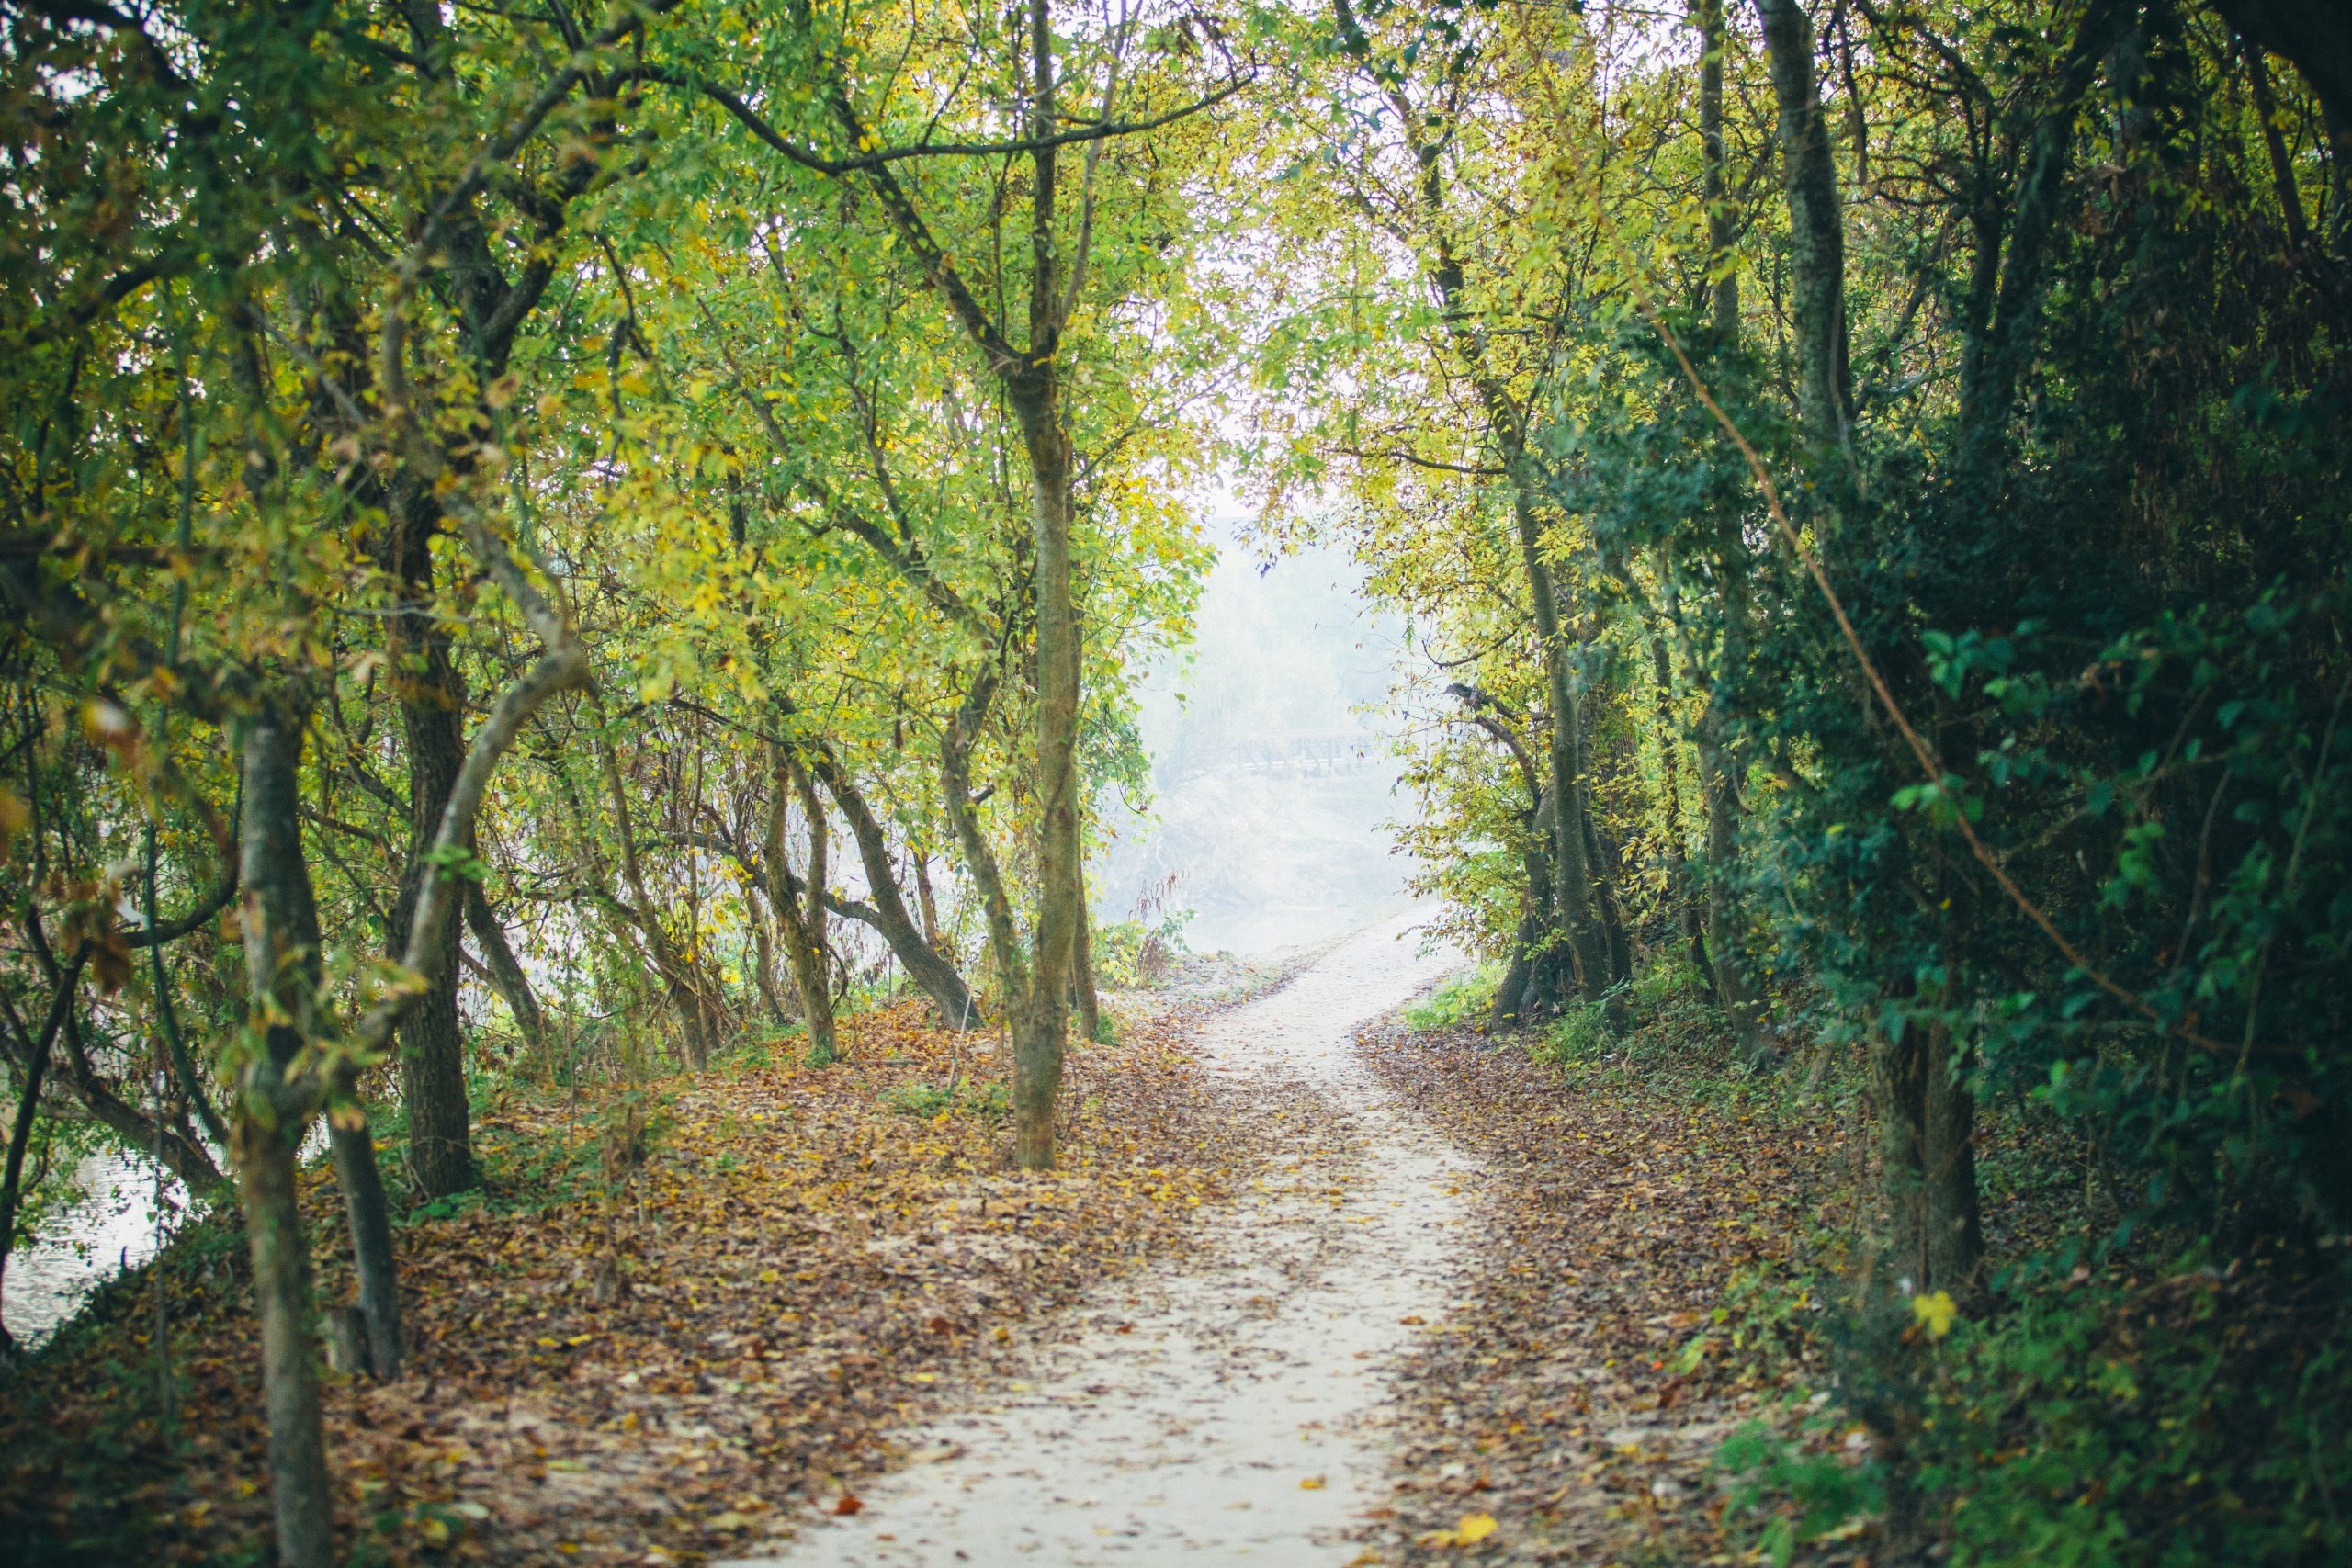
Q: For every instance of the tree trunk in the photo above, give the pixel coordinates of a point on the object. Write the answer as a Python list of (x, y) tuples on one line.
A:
[(929, 905), (1955, 1222), (1713, 186), (432, 704), (1083, 996), (916, 950), (282, 967), (1682, 888), (369, 1214), (300, 1497), (1928, 1163), (803, 944), (1038, 1020), (1598, 854), (1718, 781), (1571, 871), (1817, 229), (764, 972), (825, 1051), (506, 975), (34, 1069), (682, 980), (1735, 991), (1552, 975), (1510, 1003)]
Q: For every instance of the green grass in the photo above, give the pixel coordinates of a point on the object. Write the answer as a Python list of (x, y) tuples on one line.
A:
[(959, 1096), (1459, 998)]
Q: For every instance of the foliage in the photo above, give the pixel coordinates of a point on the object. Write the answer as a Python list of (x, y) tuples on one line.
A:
[(1458, 998), (1139, 954)]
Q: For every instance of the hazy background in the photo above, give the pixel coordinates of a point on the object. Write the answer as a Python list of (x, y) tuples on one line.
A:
[(1272, 787)]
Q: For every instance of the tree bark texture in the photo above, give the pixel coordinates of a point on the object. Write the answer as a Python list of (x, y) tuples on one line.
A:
[(799, 906), (432, 704), (915, 950), (1817, 228), (281, 963), (506, 976), (1928, 1163)]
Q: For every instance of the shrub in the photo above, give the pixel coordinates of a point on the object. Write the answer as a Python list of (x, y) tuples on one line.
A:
[(1458, 998)]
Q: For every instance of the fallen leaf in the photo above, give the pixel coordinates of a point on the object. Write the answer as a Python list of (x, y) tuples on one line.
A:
[(848, 1504)]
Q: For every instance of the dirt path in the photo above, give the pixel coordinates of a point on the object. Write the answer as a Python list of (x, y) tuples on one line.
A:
[(1223, 1409)]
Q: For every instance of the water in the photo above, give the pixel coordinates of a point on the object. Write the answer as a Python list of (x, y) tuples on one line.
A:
[(111, 1229)]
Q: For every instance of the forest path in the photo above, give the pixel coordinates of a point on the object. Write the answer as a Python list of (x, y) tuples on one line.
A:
[(1220, 1409)]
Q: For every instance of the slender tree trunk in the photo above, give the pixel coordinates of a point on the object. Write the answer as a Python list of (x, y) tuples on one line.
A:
[(1511, 999), (682, 982), (1955, 1240), (1598, 854), (1817, 229), (369, 1215), (1571, 870), (281, 963), (803, 944), (823, 1050), (2282, 169), (1899, 1083), (505, 972), (1682, 888), (1927, 1162), (1083, 996), (1038, 1020), (917, 951), (1714, 188), (929, 905), (1718, 781), (1719, 791), (299, 1495), (1553, 976), (764, 972)]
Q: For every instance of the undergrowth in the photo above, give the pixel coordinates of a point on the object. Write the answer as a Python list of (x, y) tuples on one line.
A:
[(1458, 998), (2108, 1399)]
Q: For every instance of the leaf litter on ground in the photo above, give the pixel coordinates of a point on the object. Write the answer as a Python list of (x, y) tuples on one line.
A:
[(1571, 1407), (767, 1271)]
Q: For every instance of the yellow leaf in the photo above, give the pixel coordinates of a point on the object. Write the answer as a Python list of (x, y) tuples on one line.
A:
[(1935, 1312), (1474, 1529), (1312, 1483)]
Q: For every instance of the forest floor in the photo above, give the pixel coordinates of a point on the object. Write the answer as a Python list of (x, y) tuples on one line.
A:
[(1637, 1304), (674, 1319), (1312, 1287)]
